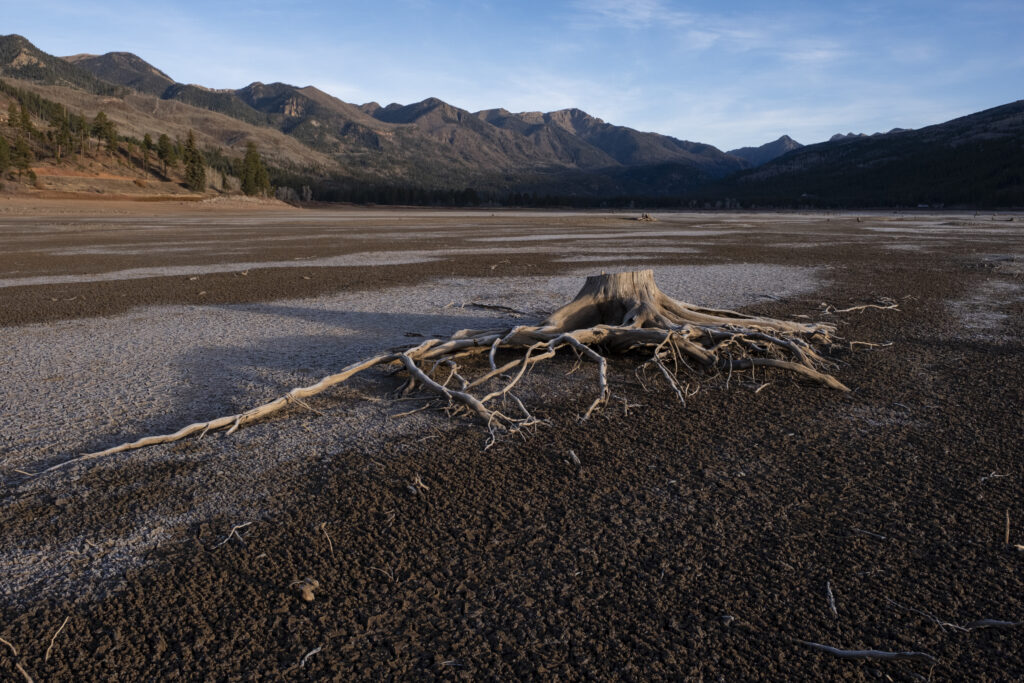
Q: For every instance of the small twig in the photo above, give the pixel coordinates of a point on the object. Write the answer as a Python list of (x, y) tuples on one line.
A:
[(410, 412), (305, 657), (869, 345), (872, 654), (390, 574), (17, 665), (884, 304), (323, 528), (831, 599), (991, 623), (868, 533), (21, 669), (46, 657), (234, 532), (930, 617), (1007, 526), (10, 645), (307, 406), (967, 628), (496, 307)]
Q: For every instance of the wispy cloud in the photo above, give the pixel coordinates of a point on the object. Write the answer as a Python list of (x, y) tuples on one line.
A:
[(634, 14)]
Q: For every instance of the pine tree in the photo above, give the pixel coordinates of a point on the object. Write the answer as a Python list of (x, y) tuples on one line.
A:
[(147, 147), (165, 152), (5, 155), (22, 155), (195, 168), (62, 138), (103, 128), (24, 122), (255, 179)]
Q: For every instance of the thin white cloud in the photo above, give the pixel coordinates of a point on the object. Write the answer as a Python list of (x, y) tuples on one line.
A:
[(634, 14)]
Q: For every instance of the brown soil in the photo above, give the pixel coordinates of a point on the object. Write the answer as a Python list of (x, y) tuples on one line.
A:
[(695, 543)]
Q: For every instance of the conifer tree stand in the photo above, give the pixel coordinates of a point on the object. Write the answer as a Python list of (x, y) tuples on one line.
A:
[(618, 313)]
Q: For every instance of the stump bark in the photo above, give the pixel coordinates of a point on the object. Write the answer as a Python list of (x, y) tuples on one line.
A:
[(612, 313)]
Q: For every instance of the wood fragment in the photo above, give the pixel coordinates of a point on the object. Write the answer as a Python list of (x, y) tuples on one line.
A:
[(831, 599), (872, 654)]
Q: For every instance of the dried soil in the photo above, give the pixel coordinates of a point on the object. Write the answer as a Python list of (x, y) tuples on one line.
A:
[(697, 542)]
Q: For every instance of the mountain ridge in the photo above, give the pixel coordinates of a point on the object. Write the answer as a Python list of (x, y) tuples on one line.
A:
[(471, 145), (356, 152), (758, 156)]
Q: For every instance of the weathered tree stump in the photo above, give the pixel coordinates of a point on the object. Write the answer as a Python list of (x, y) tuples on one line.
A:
[(612, 313)]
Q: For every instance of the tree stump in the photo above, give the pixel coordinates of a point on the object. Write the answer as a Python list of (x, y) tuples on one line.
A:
[(612, 313)]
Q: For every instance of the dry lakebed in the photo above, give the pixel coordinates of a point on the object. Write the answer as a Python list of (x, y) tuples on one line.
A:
[(770, 528)]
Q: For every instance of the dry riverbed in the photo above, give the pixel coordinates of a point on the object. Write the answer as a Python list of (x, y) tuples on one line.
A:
[(711, 540)]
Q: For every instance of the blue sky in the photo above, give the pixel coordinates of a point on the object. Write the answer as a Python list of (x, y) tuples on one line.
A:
[(725, 73)]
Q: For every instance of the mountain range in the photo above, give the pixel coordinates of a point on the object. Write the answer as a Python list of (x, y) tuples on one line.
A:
[(428, 140), (313, 137)]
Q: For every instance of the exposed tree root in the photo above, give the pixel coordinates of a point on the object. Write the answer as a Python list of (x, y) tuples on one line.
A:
[(616, 313)]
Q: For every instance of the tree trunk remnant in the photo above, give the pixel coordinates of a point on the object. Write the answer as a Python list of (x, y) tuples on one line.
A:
[(612, 313)]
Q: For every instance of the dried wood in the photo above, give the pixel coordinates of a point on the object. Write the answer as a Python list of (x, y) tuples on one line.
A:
[(612, 313)]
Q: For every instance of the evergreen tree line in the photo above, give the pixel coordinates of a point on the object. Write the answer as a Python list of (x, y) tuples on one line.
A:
[(68, 132)]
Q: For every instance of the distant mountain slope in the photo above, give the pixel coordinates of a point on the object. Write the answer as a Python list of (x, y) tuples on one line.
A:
[(429, 141), (371, 150), (757, 156), (973, 160), (124, 68), (21, 59)]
